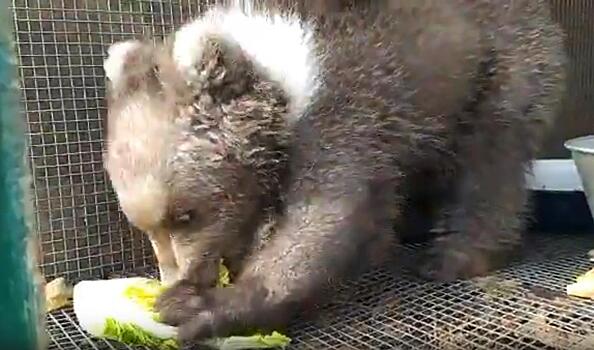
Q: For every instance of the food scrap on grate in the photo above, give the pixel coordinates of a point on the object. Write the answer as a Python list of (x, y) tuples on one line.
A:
[(58, 294), (583, 287)]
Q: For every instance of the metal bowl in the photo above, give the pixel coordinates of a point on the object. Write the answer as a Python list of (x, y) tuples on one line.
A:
[(582, 152)]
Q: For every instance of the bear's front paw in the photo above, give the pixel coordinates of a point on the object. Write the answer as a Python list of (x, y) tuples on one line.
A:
[(448, 261), (179, 303)]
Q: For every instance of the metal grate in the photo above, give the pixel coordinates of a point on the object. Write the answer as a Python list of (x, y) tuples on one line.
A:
[(522, 307), (61, 46)]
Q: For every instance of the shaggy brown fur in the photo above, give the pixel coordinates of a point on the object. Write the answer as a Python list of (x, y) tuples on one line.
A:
[(227, 126), (428, 107)]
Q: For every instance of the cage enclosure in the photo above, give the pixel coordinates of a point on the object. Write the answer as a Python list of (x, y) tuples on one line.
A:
[(61, 45)]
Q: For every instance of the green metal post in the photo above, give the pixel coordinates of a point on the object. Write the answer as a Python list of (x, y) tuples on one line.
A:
[(21, 317)]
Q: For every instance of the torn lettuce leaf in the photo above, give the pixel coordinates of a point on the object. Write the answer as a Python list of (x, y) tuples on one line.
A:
[(131, 334), (224, 278), (145, 293), (257, 341)]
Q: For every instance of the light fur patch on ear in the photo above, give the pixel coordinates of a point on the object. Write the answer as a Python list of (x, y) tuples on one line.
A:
[(189, 45), (117, 55), (281, 45)]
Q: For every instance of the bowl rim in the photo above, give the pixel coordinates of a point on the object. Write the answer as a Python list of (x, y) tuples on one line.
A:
[(573, 144)]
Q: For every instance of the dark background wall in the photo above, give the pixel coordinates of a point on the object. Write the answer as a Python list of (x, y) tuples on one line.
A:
[(576, 115)]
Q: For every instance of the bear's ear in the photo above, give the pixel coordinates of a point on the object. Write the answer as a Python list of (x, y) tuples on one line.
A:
[(120, 55), (126, 59), (227, 70), (188, 46), (204, 52)]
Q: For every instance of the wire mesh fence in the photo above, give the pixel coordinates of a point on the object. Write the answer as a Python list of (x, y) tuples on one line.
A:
[(61, 45)]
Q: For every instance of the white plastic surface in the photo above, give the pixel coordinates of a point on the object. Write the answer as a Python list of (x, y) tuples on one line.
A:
[(554, 175)]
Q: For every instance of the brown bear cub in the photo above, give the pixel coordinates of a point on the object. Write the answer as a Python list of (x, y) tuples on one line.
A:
[(291, 146)]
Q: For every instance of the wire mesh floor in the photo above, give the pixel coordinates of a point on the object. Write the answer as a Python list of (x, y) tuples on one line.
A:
[(521, 307)]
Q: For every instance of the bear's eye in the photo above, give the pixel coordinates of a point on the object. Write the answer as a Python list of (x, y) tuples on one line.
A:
[(186, 217), (191, 220)]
